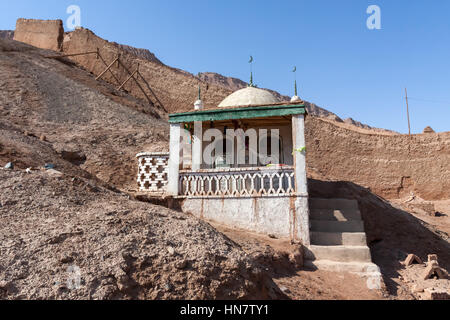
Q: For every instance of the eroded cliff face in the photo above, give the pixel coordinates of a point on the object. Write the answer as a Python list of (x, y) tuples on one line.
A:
[(391, 165), (44, 34)]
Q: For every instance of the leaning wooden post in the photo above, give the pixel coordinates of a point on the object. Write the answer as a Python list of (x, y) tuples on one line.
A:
[(101, 74), (118, 60), (137, 83), (110, 71), (300, 217), (174, 159), (151, 91), (125, 82)]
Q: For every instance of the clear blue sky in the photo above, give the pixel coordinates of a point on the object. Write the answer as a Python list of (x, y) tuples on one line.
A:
[(342, 65)]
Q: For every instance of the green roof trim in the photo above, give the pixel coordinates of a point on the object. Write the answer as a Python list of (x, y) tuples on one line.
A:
[(237, 113)]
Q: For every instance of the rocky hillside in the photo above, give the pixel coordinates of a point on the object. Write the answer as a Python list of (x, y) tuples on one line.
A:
[(87, 121), (169, 89), (234, 84), (230, 83), (139, 53)]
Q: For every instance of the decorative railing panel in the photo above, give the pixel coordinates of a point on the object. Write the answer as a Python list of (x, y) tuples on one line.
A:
[(153, 172), (238, 183)]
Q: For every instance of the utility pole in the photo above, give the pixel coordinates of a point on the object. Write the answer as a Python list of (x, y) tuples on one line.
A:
[(407, 112)]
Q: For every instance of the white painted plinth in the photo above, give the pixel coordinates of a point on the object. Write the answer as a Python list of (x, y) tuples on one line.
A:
[(283, 217)]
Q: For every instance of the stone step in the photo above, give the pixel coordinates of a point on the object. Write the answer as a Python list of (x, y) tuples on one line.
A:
[(360, 268), (338, 253), (316, 203), (367, 270), (337, 226), (335, 215), (338, 238)]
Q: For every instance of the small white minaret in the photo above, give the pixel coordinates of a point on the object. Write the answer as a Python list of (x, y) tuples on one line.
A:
[(295, 98), (198, 105)]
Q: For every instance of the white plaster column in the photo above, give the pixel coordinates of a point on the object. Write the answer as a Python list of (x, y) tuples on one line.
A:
[(197, 146), (301, 187), (174, 159), (298, 141)]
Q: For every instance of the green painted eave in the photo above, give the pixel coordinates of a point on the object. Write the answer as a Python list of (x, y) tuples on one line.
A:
[(237, 113)]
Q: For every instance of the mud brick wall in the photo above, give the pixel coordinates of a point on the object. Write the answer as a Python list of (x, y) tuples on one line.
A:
[(45, 34)]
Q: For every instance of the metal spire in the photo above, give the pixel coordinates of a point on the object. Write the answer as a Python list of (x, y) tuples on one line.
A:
[(199, 93), (251, 72), (295, 80)]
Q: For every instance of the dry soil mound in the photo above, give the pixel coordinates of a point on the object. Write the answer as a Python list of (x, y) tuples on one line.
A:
[(54, 228)]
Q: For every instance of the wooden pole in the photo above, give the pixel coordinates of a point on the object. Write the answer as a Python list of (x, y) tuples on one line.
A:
[(71, 55), (110, 71), (112, 63), (407, 112), (128, 79), (135, 80), (150, 89)]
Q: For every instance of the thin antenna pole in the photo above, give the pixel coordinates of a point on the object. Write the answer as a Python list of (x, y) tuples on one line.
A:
[(407, 112)]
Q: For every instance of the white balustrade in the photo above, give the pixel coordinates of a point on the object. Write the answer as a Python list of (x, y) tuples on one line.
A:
[(238, 182)]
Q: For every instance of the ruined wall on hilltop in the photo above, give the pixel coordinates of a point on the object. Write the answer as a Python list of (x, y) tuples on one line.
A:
[(392, 166), (176, 90), (44, 34)]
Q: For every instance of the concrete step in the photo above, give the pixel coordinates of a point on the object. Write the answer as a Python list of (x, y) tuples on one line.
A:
[(338, 238), (316, 203), (367, 270), (337, 226), (338, 253), (336, 266), (335, 215)]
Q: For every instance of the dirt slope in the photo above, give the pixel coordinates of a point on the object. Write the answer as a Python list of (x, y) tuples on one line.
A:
[(54, 228), (76, 113)]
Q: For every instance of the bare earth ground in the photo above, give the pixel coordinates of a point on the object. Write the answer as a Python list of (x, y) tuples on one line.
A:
[(124, 249), (300, 284)]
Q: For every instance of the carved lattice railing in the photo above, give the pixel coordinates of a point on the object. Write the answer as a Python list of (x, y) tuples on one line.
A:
[(238, 183), (153, 171)]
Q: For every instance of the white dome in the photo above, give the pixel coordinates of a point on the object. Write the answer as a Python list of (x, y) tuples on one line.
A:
[(249, 96), (296, 99)]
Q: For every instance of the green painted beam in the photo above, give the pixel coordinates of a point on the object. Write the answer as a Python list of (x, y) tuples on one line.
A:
[(237, 113)]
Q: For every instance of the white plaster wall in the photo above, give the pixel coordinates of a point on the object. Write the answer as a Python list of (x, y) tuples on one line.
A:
[(280, 216)]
